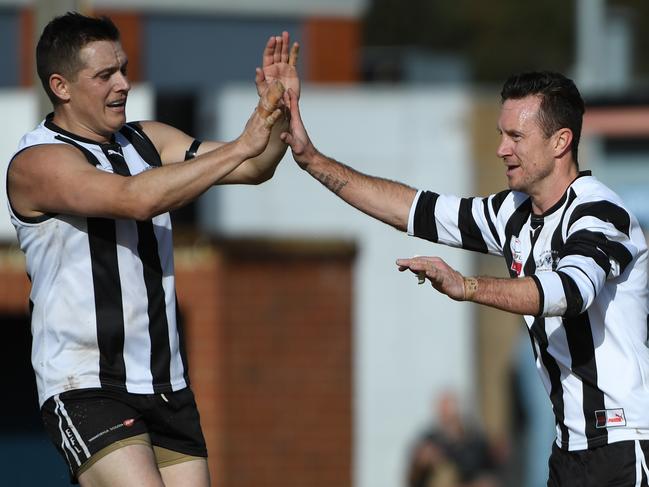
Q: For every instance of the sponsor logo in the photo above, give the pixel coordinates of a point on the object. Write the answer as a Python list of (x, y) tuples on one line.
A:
[(517, 255), (128, 422), (112, 152), (609, 418)]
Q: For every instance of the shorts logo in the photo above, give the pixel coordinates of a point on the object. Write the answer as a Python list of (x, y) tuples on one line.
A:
[(128, 422), (609, 418)]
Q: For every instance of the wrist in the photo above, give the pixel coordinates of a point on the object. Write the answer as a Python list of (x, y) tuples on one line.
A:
[(470, 288), (242, 150)]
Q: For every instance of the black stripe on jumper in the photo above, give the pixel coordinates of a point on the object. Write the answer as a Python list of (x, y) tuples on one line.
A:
[(539, 334), (472, 238), (581, 347), (107, 291), (147, 248)]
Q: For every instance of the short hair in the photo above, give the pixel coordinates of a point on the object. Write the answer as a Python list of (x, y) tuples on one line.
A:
[(61, 41), (561, 103)]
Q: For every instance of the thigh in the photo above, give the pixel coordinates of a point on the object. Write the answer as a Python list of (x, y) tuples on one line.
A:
[(128, 466), (192, 472), (174, 424), (82, 423)]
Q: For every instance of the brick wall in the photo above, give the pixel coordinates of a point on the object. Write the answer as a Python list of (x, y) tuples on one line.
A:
[(269, 339)]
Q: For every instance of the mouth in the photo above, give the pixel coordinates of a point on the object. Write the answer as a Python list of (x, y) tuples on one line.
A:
[(510, 169), (117, 104)]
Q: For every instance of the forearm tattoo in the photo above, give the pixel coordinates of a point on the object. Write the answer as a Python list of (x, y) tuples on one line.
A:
[(332, 183)]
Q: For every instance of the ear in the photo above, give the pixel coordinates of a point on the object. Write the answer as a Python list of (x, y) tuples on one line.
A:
[(562, 142), (60, 87)]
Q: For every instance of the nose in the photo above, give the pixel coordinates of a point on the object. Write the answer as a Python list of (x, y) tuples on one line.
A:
[(504, 148), (122, 83)]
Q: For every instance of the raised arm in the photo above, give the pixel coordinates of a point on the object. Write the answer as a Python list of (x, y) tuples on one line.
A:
[(279, 65), (385, 200), (56, 178)]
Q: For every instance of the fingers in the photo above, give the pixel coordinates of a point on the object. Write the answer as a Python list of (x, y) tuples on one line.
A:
[(260, 77), (284, 47), (292, 58), (268, 57), (277, 54), (277, 51), (272, 118), (290, 99), (270, 99)]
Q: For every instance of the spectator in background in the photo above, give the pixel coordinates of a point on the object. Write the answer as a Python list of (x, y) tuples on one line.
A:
[(452, 452)]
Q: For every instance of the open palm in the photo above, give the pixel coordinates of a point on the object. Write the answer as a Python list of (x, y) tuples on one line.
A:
[(278, 63)]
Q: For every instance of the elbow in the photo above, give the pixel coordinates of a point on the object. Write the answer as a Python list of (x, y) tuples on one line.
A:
[(262, 177), (139, 206)]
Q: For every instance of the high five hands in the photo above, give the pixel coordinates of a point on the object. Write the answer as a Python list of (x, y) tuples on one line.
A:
[(278, 64)]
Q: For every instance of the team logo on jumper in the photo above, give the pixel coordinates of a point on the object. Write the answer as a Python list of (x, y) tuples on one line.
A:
[(547, 261), (517, 255), (609, 418)]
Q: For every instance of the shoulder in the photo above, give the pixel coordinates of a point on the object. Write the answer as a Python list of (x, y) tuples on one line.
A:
[(507, 202), (46, 152), (589, 188), (46, 162), (595, 202), (158, 132)]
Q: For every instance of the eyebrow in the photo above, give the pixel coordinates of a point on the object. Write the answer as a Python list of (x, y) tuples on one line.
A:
[(510, 132), (111, 69)]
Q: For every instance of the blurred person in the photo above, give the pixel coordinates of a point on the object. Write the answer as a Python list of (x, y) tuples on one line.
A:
[(89, 196), (577, 260), (451, 452)]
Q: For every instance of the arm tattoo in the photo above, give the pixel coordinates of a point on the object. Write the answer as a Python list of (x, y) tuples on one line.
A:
[(332, 183)]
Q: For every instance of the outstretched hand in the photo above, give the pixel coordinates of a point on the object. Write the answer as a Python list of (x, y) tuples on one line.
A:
[(278, 64), (256, 134), (297, 137), (442, 276)]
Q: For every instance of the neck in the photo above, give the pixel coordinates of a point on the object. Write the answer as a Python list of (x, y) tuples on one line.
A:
[(72, 124), (549, 193)]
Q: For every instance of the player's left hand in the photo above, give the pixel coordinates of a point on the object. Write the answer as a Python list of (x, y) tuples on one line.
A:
[(279, 64), (442, 276)]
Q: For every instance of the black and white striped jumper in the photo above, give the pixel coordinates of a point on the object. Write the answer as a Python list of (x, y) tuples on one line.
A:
[(588, 258), (103, 295)]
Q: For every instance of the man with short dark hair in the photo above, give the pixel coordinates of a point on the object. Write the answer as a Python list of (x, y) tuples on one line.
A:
[(89, 195), (577, 260)]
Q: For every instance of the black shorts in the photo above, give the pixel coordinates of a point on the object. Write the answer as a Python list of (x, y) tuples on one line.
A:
[(622, 464), (82, 422)]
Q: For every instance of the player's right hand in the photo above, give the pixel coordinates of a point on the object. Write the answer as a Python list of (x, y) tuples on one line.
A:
[(256, 134), (297, 136)]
